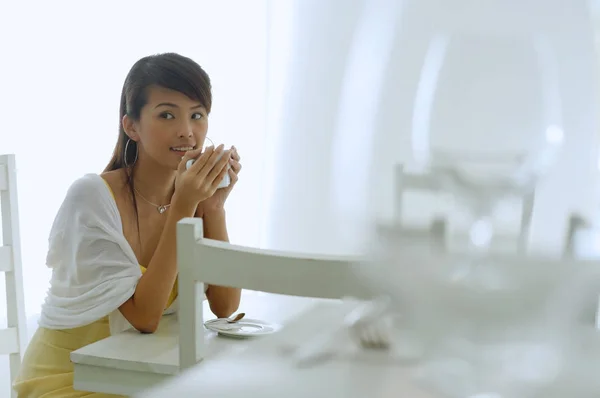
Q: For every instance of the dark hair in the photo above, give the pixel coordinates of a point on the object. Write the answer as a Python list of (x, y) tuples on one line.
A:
[(169, 70)]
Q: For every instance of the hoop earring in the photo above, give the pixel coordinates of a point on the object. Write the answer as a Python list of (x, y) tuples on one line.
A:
[(125, 154)]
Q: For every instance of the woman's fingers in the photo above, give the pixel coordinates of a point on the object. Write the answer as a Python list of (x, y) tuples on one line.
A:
[(233, 176), (189, 155), (220, 176), (202, 166), (235, 165), (234, 154), (216, 173)]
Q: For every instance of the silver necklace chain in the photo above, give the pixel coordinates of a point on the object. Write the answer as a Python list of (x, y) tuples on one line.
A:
[(160, 208)]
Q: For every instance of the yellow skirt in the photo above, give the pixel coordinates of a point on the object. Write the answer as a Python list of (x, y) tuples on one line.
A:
[(47, 370)]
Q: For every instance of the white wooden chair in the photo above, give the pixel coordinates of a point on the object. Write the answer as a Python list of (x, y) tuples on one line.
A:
[(208, 261), (14, 338), (406, 181)]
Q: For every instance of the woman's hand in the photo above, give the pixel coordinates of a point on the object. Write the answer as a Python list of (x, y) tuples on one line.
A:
[(216, 202), (201, 180)]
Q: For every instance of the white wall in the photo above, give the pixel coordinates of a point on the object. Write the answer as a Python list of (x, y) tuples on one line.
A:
[(324, 210), (308, 92)]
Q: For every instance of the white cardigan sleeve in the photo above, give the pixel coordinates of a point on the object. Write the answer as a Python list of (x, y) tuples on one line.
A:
[(94, 269)]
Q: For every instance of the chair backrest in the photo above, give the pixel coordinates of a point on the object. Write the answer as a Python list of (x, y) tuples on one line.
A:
[(14, 338), (208, 261), (421, 182), (582, 239)]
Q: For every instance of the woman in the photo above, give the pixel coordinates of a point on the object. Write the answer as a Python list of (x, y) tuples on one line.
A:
[(112, 244)]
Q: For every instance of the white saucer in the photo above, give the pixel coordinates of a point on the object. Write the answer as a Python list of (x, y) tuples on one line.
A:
[(242, 329)]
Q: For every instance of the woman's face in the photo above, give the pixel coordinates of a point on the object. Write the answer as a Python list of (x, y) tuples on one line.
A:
[(170, 124)]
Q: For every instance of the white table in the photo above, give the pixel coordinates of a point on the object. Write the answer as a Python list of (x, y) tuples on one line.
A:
[(263, 370), (131, 362)]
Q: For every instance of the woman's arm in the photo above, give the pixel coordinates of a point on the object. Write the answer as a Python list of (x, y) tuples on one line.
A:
[(223, 301), (145, 308)]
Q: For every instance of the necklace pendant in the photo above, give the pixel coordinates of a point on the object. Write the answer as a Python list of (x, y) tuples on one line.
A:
[(162, 209)]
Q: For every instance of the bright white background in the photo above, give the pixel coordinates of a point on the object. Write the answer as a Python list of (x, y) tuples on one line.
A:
[(290, 79), (61, 80), (62, 67)]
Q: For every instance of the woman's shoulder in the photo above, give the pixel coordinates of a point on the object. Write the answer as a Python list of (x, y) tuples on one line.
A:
[(87, 195), (87, 190), (85, 185), (115, 180)]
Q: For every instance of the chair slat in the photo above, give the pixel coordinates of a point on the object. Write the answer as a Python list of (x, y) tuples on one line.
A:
[(14, 339), (9, 342), (3, 178), (6, 261)]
